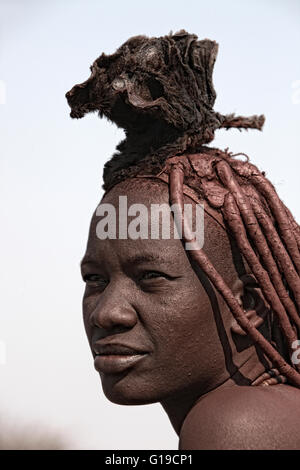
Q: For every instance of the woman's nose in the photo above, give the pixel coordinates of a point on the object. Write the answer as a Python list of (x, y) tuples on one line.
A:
[(112, 310)]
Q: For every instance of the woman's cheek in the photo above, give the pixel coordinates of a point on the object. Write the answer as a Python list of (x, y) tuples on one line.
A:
[(89, 303)]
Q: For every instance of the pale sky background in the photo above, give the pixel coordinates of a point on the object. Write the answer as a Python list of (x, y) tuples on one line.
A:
[(51, 175)]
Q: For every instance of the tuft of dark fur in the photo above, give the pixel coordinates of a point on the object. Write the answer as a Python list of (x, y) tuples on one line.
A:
[(160, 91)]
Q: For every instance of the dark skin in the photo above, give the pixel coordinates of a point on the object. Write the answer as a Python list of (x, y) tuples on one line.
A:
[(146, 294)]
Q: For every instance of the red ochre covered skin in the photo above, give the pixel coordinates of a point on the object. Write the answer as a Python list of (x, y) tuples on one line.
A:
[(212, 333)]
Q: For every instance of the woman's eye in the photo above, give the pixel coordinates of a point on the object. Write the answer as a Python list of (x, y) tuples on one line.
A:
[(94, 280), (153, 275), (155, 281)]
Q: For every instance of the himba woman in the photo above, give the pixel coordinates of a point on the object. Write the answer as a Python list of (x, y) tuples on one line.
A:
[(211, 333)]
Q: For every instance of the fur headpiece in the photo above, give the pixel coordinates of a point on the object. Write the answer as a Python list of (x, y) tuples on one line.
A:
[(160, 91)]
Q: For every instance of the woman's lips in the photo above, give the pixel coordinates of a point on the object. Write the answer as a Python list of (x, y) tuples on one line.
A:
[(112, 357), (115, 363)]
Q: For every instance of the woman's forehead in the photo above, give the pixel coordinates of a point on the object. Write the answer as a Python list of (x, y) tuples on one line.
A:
[(135, 223), (151, 238), (165, 254), (144, 190), (148, 192)]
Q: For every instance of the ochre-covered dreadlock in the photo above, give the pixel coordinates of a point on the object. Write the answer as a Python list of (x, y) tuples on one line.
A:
[(160, 91), (269, 246)]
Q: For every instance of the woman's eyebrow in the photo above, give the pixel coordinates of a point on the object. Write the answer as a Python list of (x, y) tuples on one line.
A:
[(146, 258), (88, 259)]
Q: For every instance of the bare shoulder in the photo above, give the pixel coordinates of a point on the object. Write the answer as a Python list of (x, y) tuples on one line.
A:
[(244, 418)]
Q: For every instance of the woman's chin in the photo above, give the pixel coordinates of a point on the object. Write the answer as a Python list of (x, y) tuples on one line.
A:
[(123, 398), (120, 393)]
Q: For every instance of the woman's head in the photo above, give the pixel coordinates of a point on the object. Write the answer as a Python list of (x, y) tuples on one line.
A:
[(257, 253), (149, 295)]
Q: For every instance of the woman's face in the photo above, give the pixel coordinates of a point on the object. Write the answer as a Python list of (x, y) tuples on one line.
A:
[(148, 318)]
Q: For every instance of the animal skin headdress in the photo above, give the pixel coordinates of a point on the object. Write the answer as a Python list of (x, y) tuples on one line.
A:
[(160, 91)]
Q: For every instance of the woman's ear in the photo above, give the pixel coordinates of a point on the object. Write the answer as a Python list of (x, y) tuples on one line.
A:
[(249, 296)]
